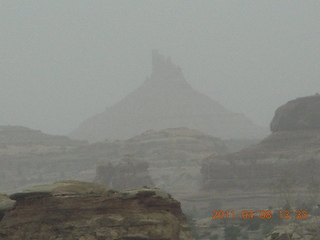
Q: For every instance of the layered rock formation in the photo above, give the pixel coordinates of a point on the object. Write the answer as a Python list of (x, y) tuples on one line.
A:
[(286, 161), (166, 100), (20, 135), (79, 210), (29, 157), (173, 156), (127, 173)]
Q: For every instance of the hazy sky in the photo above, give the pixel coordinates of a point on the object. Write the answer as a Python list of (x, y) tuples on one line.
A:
[(64, 61)]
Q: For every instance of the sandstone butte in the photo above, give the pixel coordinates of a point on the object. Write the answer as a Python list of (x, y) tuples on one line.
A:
[(71, 210), (166, 100)]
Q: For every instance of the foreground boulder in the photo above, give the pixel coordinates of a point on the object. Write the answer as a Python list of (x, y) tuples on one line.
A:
[(80, 210)]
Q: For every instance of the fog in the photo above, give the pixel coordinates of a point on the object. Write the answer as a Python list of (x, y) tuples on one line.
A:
[(64, 61)]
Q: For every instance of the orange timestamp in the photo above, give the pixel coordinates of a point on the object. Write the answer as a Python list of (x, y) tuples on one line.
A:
[(261, 214)]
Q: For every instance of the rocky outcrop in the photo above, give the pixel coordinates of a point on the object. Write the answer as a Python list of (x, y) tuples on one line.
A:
[(259, 176), (299, 114), (173, 156), (287, 160), (166, 100), (127, 173), (29, 157), (5, 205), (291, 155), (174, 144), (305, 230), (79, 210)]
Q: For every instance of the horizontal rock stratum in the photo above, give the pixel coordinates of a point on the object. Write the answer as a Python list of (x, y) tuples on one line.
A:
[(166, 100), (293, 145), (71, 210)]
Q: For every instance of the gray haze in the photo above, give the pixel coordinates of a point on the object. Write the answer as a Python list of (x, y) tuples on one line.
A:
[(64, 61)]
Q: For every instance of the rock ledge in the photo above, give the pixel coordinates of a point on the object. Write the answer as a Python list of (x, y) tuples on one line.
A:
[(81, 210)]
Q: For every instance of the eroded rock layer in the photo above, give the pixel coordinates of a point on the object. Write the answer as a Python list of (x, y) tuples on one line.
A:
[(79, 210), (286, 160)]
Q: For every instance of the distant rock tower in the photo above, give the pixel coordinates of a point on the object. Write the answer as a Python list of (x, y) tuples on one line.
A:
[(162, 68), (166, 100)]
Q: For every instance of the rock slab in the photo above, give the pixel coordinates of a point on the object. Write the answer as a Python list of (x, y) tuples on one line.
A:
[(78, 210)]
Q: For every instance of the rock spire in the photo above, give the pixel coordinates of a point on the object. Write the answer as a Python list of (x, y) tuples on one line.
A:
[(166, 100), (163, 68)]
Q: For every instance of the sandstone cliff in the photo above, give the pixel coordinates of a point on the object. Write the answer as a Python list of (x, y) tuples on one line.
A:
[(79, 210), (277, 170), (295, 141), (166, 100), (29, 157)]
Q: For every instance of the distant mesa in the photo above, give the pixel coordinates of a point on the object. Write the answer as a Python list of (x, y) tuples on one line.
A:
[(166, 100), (20, 135)]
